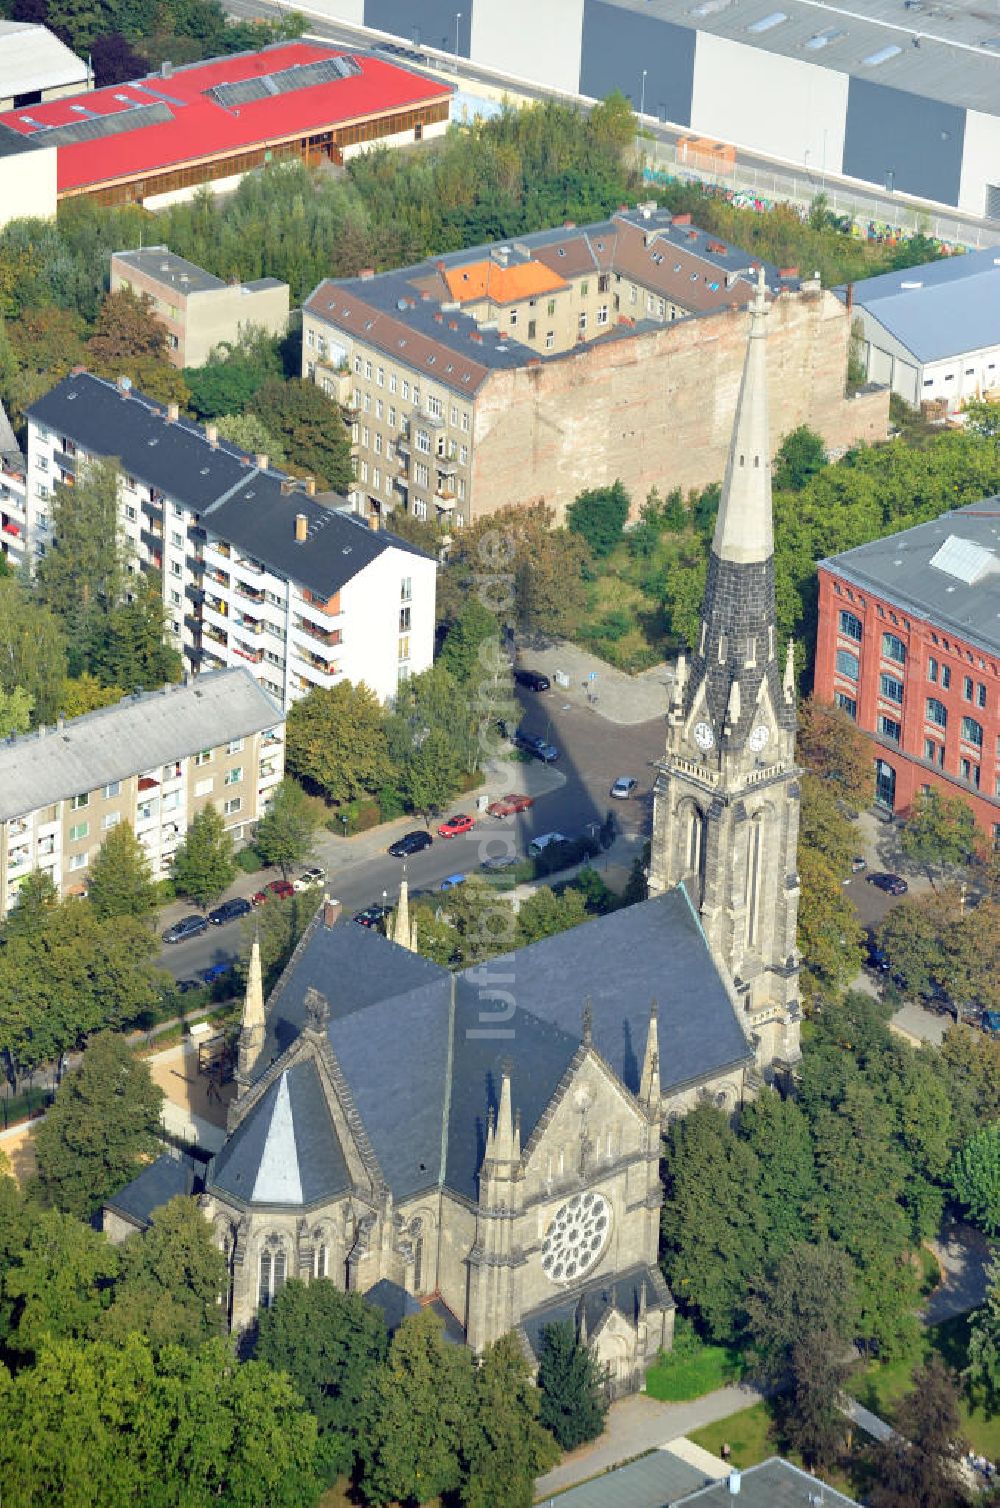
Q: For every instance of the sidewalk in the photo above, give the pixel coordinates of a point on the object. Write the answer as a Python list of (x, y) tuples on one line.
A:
[(618, 698)]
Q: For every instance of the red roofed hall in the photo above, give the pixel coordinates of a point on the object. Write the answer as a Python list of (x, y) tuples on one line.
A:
[(160, 138)]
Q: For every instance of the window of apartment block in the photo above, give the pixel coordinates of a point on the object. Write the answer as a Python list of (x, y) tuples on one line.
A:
[(113, 788), (419, 509), (603, 283), (934, 751), (110, 820), (78, 802), (78, 861), (632, 293), (584, 289), (969, 771), (945, 676), (235, 775), (461, 488), (582, 321), (423, 442), (393, 379), (465, 422), (404, 648), (512, 318), (972, 732), (602, 314), (392, 417), (368, 370), (967, 688), (550, 339), (416, 395), (175, 568), (980, 694), (532, 329), (890, 687), (551, 307), (434, 406), (378, 443), (847, 664), (363, 470), (145, 810), (232, 806), (936, 712), (130, 513), (406, 389), (204, 787), (932, 669), (889, 727), (421, 474), (376, 477), (379, 408), (404, 620), (380, 377), (893, 648), (406, 589), (203, 757), (463, 455), (850, 626), (79, 830)]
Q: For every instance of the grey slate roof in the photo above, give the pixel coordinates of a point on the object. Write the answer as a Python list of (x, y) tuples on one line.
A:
[(287, 1152), (654, 1481), (942, 309), (138, 733), (775, 1483), (395, 1303), (170, 1175), (623, 1293), (421, 1050), (899, 568), (220, 482)]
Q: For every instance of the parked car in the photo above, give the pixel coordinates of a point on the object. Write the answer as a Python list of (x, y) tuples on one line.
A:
[(532, 680), (372, 916), (539, 844), (279, 890), (455, 826), (188, 926), (546, 752), (215, 971), (308, 878), (410, 843), (510, 805), (451, 881), (892, 884), (991, 1023), (858, 863), (229, 911), (185, 986), (501, 862), (624, 787), (875, 956)]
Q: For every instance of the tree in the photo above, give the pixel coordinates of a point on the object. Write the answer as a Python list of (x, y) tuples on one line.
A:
[(975, 1178), (336, 739), (802, 1320), (832, 746), (983, 1369), (482, 921), (15, 711), (129, 650), (252, 435), (828, 931), (120, 881), (48, 343), (311, 429), (287, 832), (713, 1239), (277, 926), (204, 864), (573, 1403), (921, 1466), (54, 1284), (801, 455), (508, 1448), (84, 693), (417, 1415), (32, 650), (545, 913), (129, 340), (777, 1132), (470, 630), (939, 833), (81, 578), (171, 1280), (101, 1128), (551, 594), (115, 61), (982, 418), (599, 516), (330, 1344)]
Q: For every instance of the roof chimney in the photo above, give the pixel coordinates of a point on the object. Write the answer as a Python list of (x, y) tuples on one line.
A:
[(301, 528), (173, 413), (260, 461), (788, 272), (212, 434), (425, 296), (366, 274), (166, 68), (569, 225), (124, 385), (310, 482), (287, 486), (682, 219), (331, 911)]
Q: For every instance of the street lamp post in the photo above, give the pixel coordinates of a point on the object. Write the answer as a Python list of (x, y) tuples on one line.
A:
[(642, 94), (458, 17)]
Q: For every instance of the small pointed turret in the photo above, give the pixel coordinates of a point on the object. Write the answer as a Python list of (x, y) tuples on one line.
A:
[(588, 1022), (788, 683), (401, 922), (503, 1139), (649, 1085), (743, 530), (413, 936), (581, 1322), (676, 710), (253, 1025)]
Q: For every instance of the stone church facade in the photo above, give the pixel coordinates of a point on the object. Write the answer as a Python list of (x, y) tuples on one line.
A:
[(487, 1142)]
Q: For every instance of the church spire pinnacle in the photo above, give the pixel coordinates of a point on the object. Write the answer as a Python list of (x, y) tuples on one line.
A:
[(401, 924), (743, 530), (503, 1136), (253, 1024), (649, 1084)]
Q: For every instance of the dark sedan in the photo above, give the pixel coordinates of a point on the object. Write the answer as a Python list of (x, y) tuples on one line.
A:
[(892, 884), (532, 680), (188, 926), (410, 843), (372, 916), (229, 911)]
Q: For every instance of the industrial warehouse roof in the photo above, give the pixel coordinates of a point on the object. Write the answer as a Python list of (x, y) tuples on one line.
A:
[(138, 733), (414, 314), (251, 508), (946, 571), (940, 309), (212, 109), (32, 58), (945, 49)]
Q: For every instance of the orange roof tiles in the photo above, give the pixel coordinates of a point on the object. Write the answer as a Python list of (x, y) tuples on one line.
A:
[(502, 285)]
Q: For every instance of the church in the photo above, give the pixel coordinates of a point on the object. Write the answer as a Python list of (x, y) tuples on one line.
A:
[(487, 1142)]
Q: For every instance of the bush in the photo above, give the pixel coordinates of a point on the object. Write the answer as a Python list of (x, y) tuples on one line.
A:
[(362, 815), (249, 861)]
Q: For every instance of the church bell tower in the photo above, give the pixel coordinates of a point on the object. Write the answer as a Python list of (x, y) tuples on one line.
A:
[(726, 800)]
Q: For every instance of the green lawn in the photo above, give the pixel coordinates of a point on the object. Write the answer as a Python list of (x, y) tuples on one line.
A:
[(692, 1368), (748, 1435)]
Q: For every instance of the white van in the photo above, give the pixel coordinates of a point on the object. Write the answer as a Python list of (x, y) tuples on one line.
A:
[(537, 845)]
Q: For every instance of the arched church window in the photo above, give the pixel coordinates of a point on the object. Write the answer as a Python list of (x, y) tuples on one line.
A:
[(320, 1260), (264, 1287), (694, 840), (271, 1274), (418, 1264), (753, 881)]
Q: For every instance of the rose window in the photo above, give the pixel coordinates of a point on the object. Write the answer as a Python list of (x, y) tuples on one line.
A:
[(576, 1239)]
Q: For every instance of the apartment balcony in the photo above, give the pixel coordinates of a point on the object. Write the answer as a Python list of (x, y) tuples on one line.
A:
[(209, 631), (249, 593), (433, 421), (318, 666), (65, 461), (12, 529), (254, 626), (272, 739), (330, 637), (403, 447), (247, 652), (219, 547), (148, 783), (211, 661), (247, 563), (16, 826), (341, 381)]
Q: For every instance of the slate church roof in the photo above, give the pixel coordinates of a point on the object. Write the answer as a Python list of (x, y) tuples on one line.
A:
[(421, 1049)]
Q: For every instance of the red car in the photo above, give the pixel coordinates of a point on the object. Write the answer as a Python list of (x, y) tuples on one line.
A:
[(456, 826), (510, 805), (280, 889)]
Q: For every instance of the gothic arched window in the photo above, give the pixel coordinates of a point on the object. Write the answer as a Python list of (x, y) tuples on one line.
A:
[(754, 878)]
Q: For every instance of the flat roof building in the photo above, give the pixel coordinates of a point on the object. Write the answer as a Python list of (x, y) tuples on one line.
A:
[(153, 760), (531, 369), (932, 333), (199, 310), (909, 645), (159, 139)]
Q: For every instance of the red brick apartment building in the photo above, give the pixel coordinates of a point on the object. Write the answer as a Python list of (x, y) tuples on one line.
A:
[(909, 644)]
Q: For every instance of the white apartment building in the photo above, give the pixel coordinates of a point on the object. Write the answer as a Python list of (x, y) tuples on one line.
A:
[(13, 487), (153, 760), (257, 571)]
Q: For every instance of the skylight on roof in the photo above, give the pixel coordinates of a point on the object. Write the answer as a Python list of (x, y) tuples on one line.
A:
[(824, 38), (710, 7), (964, 559), (882, 56), (767, 22)]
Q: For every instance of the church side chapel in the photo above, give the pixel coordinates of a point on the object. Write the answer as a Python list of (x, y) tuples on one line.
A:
[(487, 1142)]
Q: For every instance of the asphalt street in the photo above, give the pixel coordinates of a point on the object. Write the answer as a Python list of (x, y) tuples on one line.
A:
[(592, 753)]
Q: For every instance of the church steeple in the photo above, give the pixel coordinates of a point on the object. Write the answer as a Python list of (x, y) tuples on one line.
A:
[(743, 529), (253, 1025)]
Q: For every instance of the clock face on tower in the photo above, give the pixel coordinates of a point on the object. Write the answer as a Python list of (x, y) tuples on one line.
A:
[(759, 737), (703, 736)]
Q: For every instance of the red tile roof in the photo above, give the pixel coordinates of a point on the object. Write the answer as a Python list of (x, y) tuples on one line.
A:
[(199, 127)]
